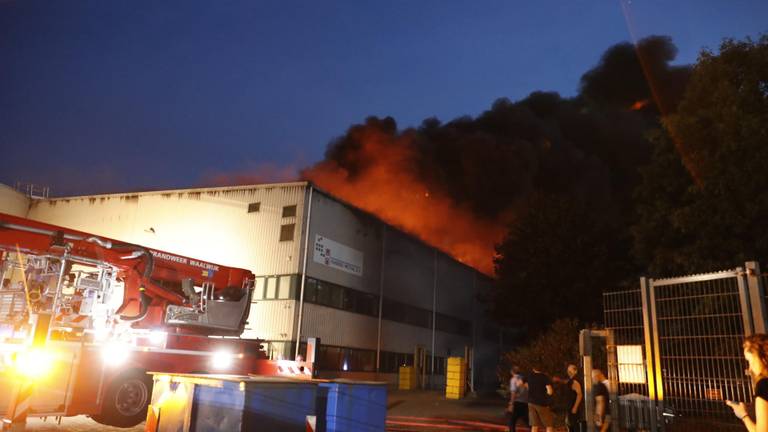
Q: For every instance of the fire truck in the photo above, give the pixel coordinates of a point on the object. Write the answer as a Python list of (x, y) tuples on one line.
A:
[(83, 318)]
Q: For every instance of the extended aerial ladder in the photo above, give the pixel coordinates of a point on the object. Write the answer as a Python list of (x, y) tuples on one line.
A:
[(83, 318)]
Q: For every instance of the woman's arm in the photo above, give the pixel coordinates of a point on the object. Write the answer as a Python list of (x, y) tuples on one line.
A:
[(740, 411), (761, 416)]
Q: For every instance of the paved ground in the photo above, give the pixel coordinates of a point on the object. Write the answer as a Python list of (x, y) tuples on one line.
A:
[(412, 411)]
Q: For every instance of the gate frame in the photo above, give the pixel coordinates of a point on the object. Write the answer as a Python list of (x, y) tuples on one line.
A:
[(585, 350), (752, 301)]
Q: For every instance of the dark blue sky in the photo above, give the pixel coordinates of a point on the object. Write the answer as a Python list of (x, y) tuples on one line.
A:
[(100, 96)]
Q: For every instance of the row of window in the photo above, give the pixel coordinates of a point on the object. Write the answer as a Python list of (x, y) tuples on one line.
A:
[(288, 211), (287, 231), (339, 297), (275, 287), (341, 359)]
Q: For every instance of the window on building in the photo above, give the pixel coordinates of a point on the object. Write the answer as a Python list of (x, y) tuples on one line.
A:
[(449, 324), (405, 313), (254, 207), (271, 288), (284, 290), (258, 289), (289, 211), (310, 290), (286, 232)]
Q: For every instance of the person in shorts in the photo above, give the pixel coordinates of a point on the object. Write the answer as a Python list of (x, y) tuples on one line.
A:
[(540, 401)]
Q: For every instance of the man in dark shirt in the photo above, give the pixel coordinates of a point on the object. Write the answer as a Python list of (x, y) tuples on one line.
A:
[(539, 400), (602, 418), (575, 396)]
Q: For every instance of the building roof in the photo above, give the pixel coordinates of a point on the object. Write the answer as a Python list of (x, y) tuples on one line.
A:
[(266, 186)]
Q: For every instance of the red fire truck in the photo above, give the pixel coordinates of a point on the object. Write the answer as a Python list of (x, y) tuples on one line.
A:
[(83, 319)]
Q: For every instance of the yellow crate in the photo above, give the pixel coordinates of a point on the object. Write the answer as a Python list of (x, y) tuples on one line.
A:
[(455, 360), (407, 378)]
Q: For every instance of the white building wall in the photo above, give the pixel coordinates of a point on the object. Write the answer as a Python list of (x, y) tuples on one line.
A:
[(352, 228), (12, 202), (408, 270), (404, 338), (271, 320), (339, 328), (209, 224)]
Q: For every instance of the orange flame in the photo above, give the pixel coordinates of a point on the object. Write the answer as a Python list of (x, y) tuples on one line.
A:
[(390, 188), (640, 104)]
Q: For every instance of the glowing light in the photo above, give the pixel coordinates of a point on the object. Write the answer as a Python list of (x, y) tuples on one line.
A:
[(157, 337), (115, 353), (631, 365), (345, 366), (35, 363), (221, 360)]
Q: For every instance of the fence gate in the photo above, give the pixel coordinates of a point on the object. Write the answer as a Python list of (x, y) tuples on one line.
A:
[(692, 333)]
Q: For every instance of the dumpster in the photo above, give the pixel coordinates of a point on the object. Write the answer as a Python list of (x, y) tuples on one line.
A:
[(351, 406), (190, 402)]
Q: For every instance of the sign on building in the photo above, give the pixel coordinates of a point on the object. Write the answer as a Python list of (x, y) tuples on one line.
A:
[(338, 256)]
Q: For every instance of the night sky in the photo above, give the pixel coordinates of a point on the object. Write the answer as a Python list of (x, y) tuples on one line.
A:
[(103, 96)]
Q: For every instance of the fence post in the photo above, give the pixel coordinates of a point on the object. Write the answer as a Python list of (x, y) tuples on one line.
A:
[(613, 374), (649, 329), (756, 295), (744, 301), (585, 349)]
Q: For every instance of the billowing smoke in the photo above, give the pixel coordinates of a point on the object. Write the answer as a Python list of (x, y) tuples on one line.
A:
[(637, 76), (459, 185)]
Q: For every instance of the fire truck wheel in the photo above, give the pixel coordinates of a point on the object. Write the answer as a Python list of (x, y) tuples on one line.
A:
[(126, 400)]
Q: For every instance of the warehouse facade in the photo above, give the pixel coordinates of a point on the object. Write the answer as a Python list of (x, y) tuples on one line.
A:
[(375, 296)]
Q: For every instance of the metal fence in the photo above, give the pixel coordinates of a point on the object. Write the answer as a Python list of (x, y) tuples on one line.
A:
[(690, 330)]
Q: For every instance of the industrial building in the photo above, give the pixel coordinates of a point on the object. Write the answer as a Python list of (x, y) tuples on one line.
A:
[(376, 297)]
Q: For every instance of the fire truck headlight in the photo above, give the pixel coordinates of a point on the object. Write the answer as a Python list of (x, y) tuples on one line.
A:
[(157, 337), (115, 353), (221, 360), (35, 363)]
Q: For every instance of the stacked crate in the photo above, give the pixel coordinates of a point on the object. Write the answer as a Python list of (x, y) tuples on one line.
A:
[(455, 378), (407, 378)]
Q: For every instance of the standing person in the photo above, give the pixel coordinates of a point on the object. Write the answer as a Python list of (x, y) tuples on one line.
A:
[(575, 397), (518, 399), (602, 417), (539, 400), (756, 353)]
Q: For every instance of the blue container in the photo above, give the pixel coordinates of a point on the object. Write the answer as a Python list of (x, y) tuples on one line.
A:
[(352, 406), (212, 403)]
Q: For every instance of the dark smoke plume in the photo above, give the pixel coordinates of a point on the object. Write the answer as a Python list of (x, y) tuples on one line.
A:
[(478, 175), (637, 76)]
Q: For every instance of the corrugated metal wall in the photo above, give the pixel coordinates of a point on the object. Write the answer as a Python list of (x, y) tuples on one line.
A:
[(339, 328), (352, 228), (409, 277), (210, 224), (271, 320)]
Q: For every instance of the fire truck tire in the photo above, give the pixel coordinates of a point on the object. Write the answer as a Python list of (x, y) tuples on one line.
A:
[(126, 400)]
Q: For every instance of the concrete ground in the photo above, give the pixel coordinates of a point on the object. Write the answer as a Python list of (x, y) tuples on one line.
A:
[(414, 411)]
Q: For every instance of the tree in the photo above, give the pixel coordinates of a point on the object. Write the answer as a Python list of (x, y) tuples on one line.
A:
[(550, 352), (555, 263), (715, 219)]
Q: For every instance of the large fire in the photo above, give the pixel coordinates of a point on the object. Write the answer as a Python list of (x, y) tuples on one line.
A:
[(389, 188)]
